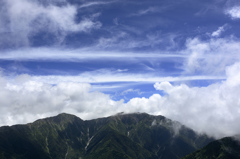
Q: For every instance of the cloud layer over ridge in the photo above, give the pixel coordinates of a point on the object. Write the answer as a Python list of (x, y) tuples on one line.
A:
[(97, 58)]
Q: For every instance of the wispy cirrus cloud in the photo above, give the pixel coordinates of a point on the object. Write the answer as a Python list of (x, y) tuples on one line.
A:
[(90, 4), (200, 57), (103, 77), (146, 11)]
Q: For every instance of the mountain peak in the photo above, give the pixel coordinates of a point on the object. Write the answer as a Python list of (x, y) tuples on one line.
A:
[(61, 119), (66, 116), (122, 136), (136, 114)]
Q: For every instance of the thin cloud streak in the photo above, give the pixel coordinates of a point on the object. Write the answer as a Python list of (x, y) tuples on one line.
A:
[(111, 77), (147, 11), (48, 54), (90, 4)]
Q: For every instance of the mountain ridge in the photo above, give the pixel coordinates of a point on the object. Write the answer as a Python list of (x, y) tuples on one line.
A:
[(130, 136), (224, 148)]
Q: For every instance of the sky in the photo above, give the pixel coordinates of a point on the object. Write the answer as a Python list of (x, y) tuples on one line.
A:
[(179, 59)]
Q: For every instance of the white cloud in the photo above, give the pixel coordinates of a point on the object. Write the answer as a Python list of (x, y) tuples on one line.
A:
[(214, 109), (149, 10), (109, 76), (204, 56), (53, 54), (199, 57), (138, 91), (25, 18), (25, 100), (234, 12), (122, 39), (218, 32), (63, 19), (90, 4), (146, 11)]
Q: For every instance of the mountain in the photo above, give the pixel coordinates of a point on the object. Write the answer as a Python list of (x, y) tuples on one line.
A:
[(225, 148), (125, 136)]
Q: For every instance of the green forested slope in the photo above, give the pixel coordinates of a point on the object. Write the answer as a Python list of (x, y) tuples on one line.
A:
[(226, 148), (122, 136)]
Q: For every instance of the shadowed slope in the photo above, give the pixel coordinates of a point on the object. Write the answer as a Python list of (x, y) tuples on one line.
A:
[(226, 148), (120, 136)]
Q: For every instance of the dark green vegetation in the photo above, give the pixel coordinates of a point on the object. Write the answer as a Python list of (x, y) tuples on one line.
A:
[(129, 136), (226, 148)]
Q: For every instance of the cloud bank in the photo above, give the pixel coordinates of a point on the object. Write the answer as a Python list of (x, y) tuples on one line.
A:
[(214, 109)]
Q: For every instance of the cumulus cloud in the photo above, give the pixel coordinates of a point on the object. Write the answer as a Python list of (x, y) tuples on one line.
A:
[(214, 109), (234, 12), (25, 100), (25, 18), (204, 56)]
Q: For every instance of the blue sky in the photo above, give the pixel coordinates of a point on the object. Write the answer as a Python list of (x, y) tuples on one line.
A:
[(158, 56)]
